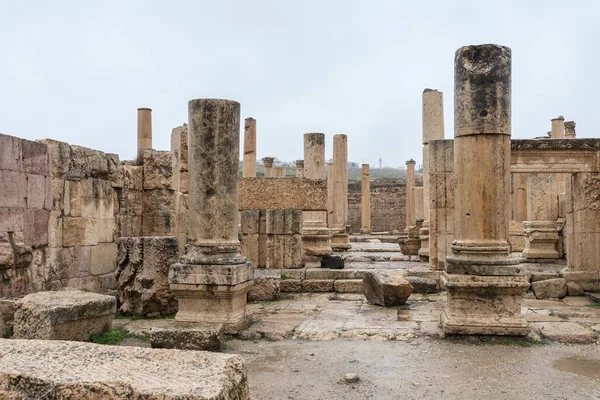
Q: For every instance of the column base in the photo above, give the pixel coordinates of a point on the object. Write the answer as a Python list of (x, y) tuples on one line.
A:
[(340, 241), (365, 231), (484, 305), (541, 239), (424, 237), (316, 244)]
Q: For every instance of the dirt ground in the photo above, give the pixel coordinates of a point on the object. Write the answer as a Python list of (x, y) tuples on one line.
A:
[(425, 368)]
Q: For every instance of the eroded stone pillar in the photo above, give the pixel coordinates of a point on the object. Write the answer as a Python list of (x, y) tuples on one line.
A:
[(365, 200), (278, 172), (482, 278), (410, 184), (541, 227), (339, 238), (268, 164), (249, 162), (300, 168), (144, 129), (433, 129), (558, 132), (211, 280), (570, 130), (329, 195), (316, 238)]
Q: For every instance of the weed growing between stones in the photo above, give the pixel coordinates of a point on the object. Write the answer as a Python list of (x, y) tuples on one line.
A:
[(115, 337)]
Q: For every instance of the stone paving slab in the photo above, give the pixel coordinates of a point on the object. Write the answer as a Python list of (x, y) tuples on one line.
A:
[(40, 369)]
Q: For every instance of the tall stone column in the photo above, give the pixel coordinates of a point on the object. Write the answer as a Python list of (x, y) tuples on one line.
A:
[(268, 164), (316, 238), (433, 129), (278, 172), (211, 280), (570, 130), (482, 278), (144, 128), (410, 184), (365, 200), (300, 168), (249, 163), (329, 195), (558, 132), (339, 238)]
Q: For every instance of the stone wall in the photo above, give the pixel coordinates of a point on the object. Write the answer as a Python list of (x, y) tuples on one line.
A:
[(388, 205)]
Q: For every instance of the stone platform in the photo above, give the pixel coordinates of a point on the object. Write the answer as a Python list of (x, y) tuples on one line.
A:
[(35, 369)]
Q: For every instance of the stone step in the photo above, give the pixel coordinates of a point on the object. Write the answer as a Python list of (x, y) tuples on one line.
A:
[(594, 296)]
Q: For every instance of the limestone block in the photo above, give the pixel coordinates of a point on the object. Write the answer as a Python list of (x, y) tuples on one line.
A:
[(36, 191), (322, 273), (157, 170), (82, 263), (85, 371), (13, 186), (142, 274), (275, 251), (187, 336), (116, 174), (423, 285), (283, 193), (320, 285), (564, 332), (87, 163), (542, 197), (11, 219), (250, 222), (104, 258), (11, 153), (60, 264), (35, 227), (133, 203), (7, 310), (275, 222), (79, 232), (290, 285), (60, 157), (386, 288), (549, 288), (106, 230), (573, 289), (348, 286), (179, 148), (133, 177), (250, 248), (55, 229), (65, 315), (264, 289), (35, 158), (587, 280)]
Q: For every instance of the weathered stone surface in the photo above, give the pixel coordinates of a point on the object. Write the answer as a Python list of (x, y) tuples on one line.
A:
[(142, 274), (321, 285), (550, 288), (347, 286), (386, 288), (79, 231), (185, 336), (290, 285), (103, 258), (573, 289), (564, 332), (282, 193), (423, 285), (41, 369), (157, 169), (264, 289), (65, 315)]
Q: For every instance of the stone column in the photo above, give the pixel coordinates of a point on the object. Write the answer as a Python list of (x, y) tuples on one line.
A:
[(268, 164), (249, 164), (340, 239), (482, 278), (558, 132), (541, 228), (329, 195), (410, 184), (516, 231), (144, 128), (300, 168), (211, 280), (365, 200), (433, 129), (570, 130), (316, 238), (278, 172)]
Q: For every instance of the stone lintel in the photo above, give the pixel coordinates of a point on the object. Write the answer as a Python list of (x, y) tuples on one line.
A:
[(288, 193)]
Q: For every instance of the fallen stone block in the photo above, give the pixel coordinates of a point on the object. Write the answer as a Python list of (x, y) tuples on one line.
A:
[(386, 288), (35, 369), (564, 332), (423, 285), (186, 336), (549, 288), (264, 289), (64, 315), (573, 289)]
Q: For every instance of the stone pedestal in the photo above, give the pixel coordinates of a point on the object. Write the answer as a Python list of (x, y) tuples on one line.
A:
[(339, 236), (211, 280), (268, 165), (410, 246), (482, 278), (316, 237), (516, 236), (144, 129), (249, 164), (541, 239), (365, 200), (570, 130)]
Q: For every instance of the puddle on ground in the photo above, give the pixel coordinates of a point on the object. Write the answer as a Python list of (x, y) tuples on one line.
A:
[(589, 368)]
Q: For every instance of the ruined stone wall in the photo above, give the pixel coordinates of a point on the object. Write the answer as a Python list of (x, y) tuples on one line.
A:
[(388, 205)]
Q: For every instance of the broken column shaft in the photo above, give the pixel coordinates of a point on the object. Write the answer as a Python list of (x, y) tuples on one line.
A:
[(482, 278), (410, 184), (339, 238), (144, 129), (211, 280), (365, 200), (249, 163)]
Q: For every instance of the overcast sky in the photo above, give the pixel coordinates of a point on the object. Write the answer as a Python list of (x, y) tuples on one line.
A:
[(77, 71)]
